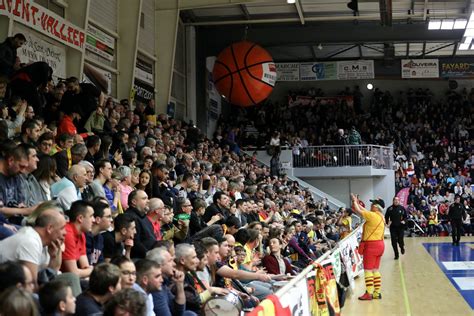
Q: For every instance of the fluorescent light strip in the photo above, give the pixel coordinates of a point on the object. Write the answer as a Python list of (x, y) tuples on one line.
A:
[(460, 24), (447, 24), (469, 33), (434, 25), (464, 46)]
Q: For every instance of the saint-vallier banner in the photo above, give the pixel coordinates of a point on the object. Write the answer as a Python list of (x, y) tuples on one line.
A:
[(41, 19)]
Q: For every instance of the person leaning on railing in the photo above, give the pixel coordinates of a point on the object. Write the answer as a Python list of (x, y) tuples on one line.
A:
[(372, 245)]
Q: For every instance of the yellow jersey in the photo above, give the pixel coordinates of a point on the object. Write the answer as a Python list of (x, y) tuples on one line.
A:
[(374, 226)]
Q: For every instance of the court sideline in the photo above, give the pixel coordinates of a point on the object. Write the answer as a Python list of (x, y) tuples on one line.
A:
[(428, 289)]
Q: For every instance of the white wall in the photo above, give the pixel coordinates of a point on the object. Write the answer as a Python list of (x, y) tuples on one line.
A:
[(367, 188), (337, 188), (146, 39)]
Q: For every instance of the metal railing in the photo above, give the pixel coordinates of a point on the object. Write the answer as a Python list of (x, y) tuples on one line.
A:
[(379, 157)]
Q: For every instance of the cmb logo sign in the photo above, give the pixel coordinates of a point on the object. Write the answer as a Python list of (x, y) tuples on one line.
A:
[(355, 69)]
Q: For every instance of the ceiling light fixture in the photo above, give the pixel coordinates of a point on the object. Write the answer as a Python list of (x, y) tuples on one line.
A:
[(469, 33), (447, 24), (290, 1), (464, 46), (460, 24), (434, 25)]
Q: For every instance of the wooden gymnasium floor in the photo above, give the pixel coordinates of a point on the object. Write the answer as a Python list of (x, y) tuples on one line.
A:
[(432, 278)]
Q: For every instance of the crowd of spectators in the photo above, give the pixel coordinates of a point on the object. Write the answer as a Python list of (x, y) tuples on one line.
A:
[(107, 207), (432, 139)]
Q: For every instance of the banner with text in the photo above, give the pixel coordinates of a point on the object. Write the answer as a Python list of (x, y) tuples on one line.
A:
[(144, 71), (37, 49), (297, 299), (318, 71), (355, 69), (463, 68), (303, 100), (100, 43), (420, 68), (143, 91), (45, 21), (288, 71)]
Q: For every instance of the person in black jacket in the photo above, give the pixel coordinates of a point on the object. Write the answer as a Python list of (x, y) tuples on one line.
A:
[(456, 214), (82, 98), (145, 236), (8, 54), (395, 218), (220, 205), (160, 186), (29, 82)]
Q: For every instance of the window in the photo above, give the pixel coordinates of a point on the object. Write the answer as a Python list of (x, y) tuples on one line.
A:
[(56, 6), (142, 20)]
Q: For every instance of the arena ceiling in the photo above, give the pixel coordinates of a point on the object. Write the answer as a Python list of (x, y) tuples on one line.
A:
[(328, 29)]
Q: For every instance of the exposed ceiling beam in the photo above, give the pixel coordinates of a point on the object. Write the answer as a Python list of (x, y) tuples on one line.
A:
[(341, 51), (313, 52), (245, 11), (385, 12), (196, 4), (296, 35), (455, 49), (425, 9), (374, 48), (437, 48), (299, 9), (468, 7), (367, 17)]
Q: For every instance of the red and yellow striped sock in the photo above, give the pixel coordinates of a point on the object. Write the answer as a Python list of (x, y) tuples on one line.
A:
[(377, 282), (369, 281)]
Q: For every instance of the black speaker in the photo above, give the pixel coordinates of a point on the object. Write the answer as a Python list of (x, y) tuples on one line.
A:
[(453, 84)]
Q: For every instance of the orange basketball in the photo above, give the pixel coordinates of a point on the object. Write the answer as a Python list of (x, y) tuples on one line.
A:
[(244, 73)]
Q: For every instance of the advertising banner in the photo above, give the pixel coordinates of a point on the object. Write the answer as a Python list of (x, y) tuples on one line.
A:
[(420, 68), (47, 22), (332, 296), (36, 49), (318, 71), (288, 71), (316, 282), (297, 299), (143, 92), (100, 43), (403, 196), (355, 69), (144, 71), (336, 263), (302, 100), (458, 69)]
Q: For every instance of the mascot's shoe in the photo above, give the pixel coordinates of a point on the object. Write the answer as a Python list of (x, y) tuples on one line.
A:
[(366, 297), (377, 296)]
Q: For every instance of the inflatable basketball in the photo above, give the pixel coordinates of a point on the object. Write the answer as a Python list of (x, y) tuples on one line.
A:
[(244, 73)]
